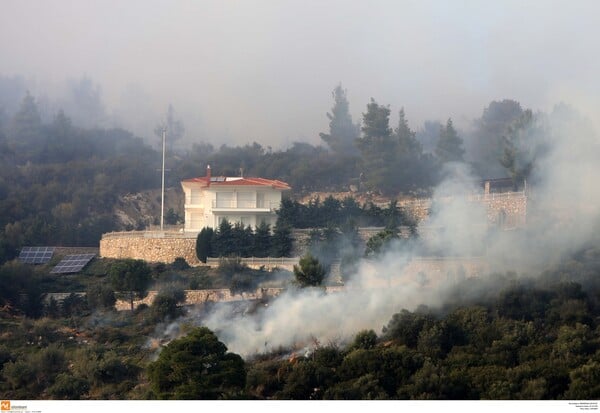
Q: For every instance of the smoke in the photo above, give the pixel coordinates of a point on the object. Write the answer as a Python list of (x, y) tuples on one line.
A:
[(264, 71), (563, 206), (377, 290), (564, 202)]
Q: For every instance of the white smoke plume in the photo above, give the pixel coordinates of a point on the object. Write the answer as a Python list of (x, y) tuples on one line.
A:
[(564, 204)]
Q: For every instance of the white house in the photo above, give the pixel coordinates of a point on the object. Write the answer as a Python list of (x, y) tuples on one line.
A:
[(210, 199)]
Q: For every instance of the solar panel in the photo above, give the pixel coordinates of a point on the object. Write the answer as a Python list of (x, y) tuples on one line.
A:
[(36, 255), (72, 263)]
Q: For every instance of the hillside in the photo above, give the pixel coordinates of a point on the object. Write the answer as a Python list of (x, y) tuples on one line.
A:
[(141, 210)]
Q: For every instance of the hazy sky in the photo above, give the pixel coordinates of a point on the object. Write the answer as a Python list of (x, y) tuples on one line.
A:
[(239, 71)]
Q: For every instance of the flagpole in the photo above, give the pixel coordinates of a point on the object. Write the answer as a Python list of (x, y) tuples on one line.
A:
[(162, 198)]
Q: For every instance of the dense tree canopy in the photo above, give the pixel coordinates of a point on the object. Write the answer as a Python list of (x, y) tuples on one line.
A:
[(59, 182), (449, 147), (197, 367), (486, 145)]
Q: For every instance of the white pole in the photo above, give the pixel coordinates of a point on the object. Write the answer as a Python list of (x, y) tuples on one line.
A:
[(162, 198)]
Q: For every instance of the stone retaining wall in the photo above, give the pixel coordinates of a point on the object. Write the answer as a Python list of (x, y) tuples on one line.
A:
[(141, 247), (193, 297)]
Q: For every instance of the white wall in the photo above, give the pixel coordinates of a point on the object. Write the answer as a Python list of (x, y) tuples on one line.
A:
[(199, 205)]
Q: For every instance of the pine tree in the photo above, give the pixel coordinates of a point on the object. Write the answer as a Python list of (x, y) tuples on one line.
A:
[(27, 123), (377, 147), (309, 272), (262, 240), (407, 142), (342, 132), (282, 240), (449, 147)]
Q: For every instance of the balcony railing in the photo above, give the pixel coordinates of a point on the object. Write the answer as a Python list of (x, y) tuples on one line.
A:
[(245, 205)]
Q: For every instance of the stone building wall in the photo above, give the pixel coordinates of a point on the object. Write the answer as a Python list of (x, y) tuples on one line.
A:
[(507, 210)]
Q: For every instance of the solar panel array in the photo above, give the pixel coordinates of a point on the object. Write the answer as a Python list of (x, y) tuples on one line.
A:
[(72, 263), (36, 255)]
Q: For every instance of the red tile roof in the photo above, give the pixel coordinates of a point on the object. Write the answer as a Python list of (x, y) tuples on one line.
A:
[(237, 181)]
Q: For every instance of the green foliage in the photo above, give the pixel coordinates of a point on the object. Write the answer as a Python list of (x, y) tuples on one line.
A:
[(35, 371), (166, 304), (376, 146), (392, 162), (200, 280), (281, 243), (449, 147), (74, 305), (204, 244), (180, 264), (380, 242), (68, 387), (131, 276), (585, 382), (342, 132), (18, 374), (112, 369), (489, 131), (340, 214), (228, 267), (195, 367), (306, 381), (309, 272), (262, 243), (523, 144), (71, 182), (19, 288), (365, 340)]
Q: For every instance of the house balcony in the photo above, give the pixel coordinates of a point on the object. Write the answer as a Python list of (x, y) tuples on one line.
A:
[(234, 206)]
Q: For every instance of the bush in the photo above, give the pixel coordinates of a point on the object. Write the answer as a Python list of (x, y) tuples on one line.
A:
[(200, 281), (228, 267), (181, 370), (101, 297), (68, 387), (365, 339), (309, 272), (180, 264), (165, 304)]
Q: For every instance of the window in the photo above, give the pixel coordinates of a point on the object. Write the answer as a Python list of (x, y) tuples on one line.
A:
[(245, 200), (225, 200), (196, 221), (196, 197)]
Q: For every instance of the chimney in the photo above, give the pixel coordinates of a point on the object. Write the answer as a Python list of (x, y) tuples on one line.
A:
[(208, 174)]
